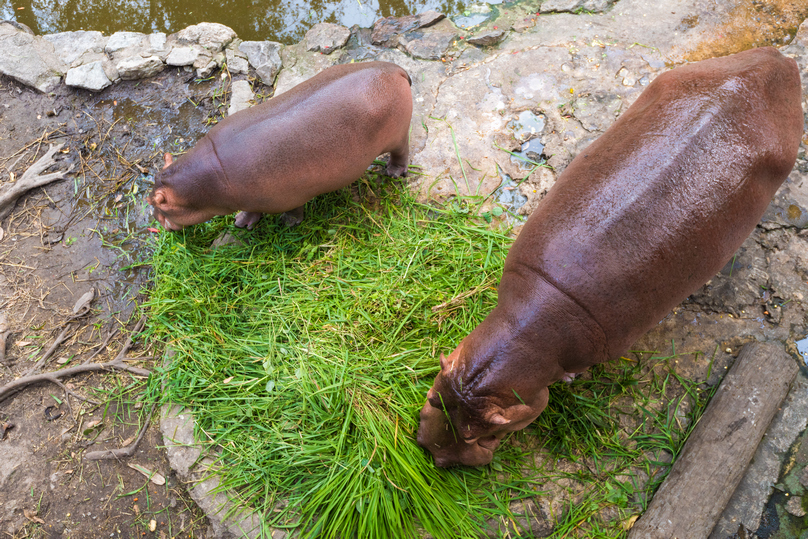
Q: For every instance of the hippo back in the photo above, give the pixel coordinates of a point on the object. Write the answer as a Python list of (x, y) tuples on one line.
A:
[(657, 205)]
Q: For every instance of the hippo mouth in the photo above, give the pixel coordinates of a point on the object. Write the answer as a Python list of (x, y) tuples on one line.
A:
[(437, 436), (165, 222)]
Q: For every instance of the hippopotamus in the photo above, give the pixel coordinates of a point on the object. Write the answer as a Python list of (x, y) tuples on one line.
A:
[(274, 157), (638, 221)]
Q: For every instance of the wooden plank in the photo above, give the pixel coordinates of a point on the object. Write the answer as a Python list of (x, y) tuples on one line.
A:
[(689, 502)]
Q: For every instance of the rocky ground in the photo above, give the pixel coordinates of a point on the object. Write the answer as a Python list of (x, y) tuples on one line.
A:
[(526, 80)]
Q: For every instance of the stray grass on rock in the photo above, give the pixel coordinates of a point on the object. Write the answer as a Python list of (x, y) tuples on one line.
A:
[(306, 354)]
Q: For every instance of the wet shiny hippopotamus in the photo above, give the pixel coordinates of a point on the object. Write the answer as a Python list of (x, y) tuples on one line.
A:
[(274, 157), (637, 222)]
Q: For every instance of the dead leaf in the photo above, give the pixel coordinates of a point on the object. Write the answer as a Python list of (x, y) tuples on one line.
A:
[(23, 343), (31, 515), (629, 522), (90, 425), (84, 301), (154, 477), (128, 441), (62, 360), (227, 380), (136, 507)]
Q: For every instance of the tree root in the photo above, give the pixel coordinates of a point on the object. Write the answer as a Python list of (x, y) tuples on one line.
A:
[(122, 452), (56, 377), (31, 179)]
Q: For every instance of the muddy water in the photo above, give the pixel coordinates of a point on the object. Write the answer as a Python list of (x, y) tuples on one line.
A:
[(278, 20)]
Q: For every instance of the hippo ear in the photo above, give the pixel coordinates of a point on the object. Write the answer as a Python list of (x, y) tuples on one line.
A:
[(448, 363), (169, 160), (518, 414), (444, 362), (159, 198)]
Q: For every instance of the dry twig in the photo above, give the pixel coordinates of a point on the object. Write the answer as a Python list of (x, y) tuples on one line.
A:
[(4, 333)]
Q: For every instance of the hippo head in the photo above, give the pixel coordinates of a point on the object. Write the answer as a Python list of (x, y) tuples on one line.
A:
[(173, 207), (464, 425)]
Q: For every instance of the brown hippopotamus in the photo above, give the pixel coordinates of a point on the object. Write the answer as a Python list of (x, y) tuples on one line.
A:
[(274, 157), (637, 222)]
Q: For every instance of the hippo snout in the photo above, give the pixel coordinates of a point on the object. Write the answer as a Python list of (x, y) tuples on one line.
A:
[(437, 435)]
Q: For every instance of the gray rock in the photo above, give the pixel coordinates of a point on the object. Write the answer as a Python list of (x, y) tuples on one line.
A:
[(208, 35), (559, 6), (804, 477), (236, 60), (265, 58), (387, 28), (206, 69), (794, 506), (597, 5), (29, 59), (427, 46), (237, 65), (185, 56), (88, 76), (138, 67), (69, 46), (326, 37), (123, 40), (486, 39), (240, 96), (157, 41), (91, 56)]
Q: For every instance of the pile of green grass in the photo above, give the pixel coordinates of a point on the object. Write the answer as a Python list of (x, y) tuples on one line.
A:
[(306, 354)]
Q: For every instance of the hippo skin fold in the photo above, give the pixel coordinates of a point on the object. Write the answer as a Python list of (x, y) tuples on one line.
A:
[(317, 137), (638, 221)]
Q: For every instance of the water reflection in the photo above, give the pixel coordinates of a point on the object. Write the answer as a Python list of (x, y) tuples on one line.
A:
[(277, 20)]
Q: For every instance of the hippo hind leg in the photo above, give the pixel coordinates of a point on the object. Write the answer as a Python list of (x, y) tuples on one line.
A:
[(399, 159), (247, 219), (293, 217)]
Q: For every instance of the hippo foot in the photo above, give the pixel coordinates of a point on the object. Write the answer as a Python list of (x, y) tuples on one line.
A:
[(292, 217), (247, 219), (569, 377), (396, 171)]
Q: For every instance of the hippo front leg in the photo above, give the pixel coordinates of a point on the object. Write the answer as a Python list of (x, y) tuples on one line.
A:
[(247, 219)]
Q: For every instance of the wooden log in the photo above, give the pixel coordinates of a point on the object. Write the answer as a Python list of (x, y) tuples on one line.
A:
[(691, 499)]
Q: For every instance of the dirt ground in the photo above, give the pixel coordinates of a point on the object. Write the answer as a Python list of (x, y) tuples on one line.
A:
[(87, 233)]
